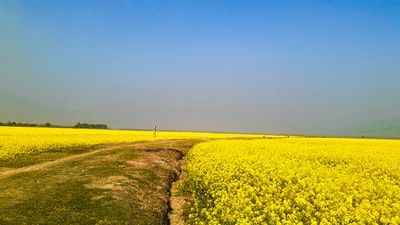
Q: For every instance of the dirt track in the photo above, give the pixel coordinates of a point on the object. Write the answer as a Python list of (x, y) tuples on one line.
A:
[(103, 148), (141, 179)]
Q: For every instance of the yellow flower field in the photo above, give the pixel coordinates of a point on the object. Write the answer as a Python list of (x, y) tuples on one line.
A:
[(295, 181), (17, 141)]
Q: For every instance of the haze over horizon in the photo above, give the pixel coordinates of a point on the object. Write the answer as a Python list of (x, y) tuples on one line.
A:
[(241, 66)]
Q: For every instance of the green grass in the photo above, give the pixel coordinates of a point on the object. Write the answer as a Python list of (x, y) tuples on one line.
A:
[(102, 188), (28, 160), (64, 203)]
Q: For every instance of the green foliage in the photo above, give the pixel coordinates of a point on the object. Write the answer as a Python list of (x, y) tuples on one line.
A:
[(90, 126), (78, 125)]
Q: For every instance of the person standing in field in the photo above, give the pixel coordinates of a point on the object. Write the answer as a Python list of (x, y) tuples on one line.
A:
[(154, 131)]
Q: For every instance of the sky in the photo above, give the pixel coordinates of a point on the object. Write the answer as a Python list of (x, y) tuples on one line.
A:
[(300, 67)]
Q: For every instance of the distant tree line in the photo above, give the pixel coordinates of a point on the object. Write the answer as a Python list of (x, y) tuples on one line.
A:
[(78, 125), (15, 124), (91, 126)]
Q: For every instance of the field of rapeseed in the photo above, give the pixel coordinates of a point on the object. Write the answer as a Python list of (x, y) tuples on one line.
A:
[(295, 181), (17, 141)]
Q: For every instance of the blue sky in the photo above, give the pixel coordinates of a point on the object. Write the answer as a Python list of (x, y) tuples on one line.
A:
[(242, 66)]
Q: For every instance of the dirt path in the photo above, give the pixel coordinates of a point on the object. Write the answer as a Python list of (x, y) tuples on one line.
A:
[(131, 181), (103, 148)]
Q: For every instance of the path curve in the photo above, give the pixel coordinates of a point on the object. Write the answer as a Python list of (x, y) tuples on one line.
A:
[(40, 166)]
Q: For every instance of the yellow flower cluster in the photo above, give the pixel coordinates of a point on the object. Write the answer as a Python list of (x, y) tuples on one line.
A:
[(295, 181), (17, 141)]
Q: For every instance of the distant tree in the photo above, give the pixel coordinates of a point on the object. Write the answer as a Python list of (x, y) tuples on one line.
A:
[(78, 125), (91, 126)]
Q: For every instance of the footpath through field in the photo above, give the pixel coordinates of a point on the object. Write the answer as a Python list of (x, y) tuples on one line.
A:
[(110, 184), (103, 148)]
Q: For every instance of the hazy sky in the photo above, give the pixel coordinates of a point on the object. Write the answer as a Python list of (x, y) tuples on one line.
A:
[(242, 66)]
